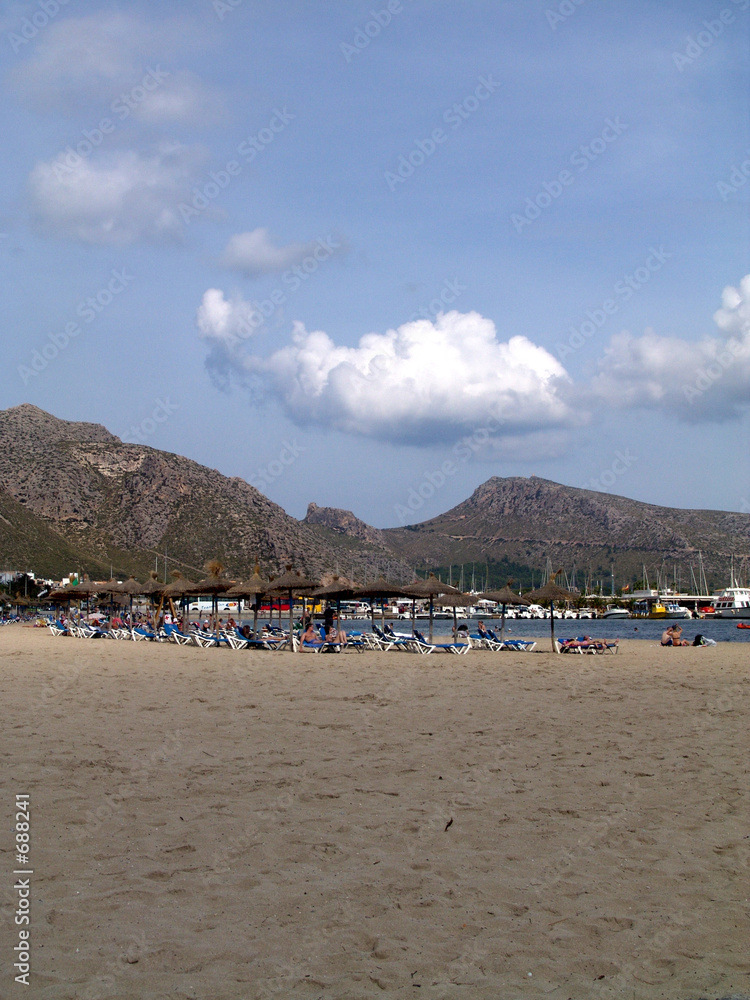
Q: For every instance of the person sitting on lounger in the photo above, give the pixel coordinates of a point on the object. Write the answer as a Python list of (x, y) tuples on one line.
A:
[(310, 637), (335, 634), (483, 633)]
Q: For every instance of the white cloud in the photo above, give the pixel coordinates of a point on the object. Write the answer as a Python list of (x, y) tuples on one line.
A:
[(254, 253), (116, 198), (107, 57), (225, 323), (421, 383), (697, 381)]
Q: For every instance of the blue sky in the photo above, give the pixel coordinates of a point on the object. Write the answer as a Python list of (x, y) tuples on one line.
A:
[(371, 254)]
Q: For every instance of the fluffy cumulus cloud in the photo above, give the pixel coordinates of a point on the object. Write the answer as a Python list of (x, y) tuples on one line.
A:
[(698, 381), (119, 58), (224, 323), (422, 383), (254, 253), (114, 198)]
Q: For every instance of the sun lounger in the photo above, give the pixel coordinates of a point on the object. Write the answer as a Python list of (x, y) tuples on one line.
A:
[(423, 646)]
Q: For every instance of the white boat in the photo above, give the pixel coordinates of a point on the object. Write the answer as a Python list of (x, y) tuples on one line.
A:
[(732, 602), (615, 612)]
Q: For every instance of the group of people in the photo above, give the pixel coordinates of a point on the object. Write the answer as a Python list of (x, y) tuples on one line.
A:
[(672, 636)]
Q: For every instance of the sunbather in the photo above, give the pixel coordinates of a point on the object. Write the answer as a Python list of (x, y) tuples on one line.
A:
[(672, 636)]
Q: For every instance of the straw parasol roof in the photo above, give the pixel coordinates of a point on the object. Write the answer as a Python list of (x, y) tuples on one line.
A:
[(505, 596), (85, 588), (293, 580), (179, 587), (430, 587), (337, 589), (250, 588), (551, 592)]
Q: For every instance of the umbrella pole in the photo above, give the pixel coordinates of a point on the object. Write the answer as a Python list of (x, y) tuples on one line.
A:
[(502, 624), (291, 622), (413, 615), (552, 624), (431, 610), (255, 616)]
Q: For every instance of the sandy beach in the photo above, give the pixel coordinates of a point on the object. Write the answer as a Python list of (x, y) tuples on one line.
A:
[(212, 823)]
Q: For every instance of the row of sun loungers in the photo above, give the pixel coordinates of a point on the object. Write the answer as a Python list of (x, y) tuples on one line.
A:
[(275, 639)]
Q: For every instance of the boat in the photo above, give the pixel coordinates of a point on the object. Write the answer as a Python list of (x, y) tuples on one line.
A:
[(661, 609), (615, 612), (743, 624), (732, 602)]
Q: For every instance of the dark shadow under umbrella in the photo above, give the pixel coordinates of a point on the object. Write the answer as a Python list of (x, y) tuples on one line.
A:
[(548, 594)]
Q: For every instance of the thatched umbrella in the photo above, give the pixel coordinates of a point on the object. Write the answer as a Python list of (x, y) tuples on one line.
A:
[(548, 594), (430, 587), (337, 590), (505, 596), (457, 601), (253, 587), (213, 584), (84, 588), (293, 583), (131, 587), (181, 588), (380, 590)]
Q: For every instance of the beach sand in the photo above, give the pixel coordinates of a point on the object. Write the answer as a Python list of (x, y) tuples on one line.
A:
[(220, 824)]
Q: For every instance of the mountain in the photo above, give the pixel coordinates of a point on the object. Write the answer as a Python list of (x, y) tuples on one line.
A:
[(528, 521), (74, 496), (344, 522), (111, 502)]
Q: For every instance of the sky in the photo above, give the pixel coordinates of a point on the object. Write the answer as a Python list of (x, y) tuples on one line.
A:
[(372, 254)]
